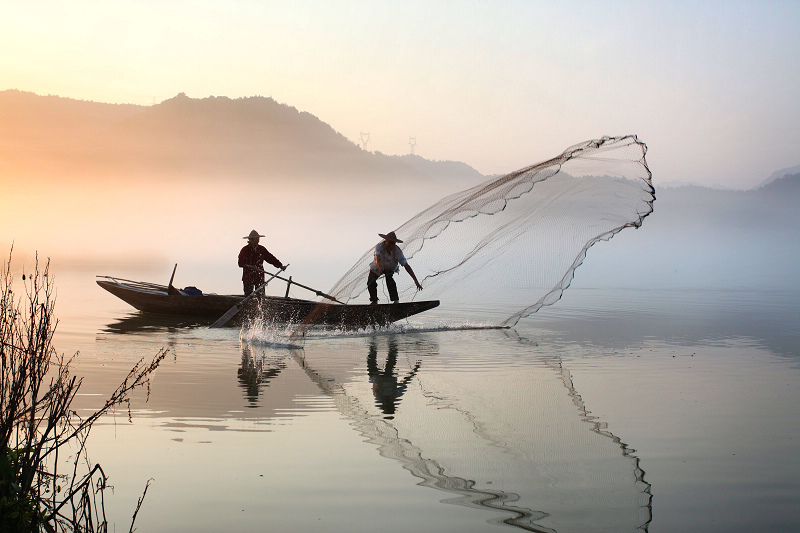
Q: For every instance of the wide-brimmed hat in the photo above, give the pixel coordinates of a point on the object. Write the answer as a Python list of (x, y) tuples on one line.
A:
[(389, 237), (253, 235)]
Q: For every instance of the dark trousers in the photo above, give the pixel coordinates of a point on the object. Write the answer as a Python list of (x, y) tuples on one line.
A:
[(372, 286), (250, 286)]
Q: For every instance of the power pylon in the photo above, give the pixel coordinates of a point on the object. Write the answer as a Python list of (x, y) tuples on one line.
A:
[(364, 139)]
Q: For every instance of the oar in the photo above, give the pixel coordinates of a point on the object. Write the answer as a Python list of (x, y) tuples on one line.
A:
[(230, 313), (315, 291)]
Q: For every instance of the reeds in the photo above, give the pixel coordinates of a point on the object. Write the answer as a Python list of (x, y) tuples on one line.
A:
[(37, 422)]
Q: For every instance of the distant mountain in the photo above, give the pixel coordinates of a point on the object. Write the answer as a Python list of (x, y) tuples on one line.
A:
[(704, 238), (786, 185), (779, 174), (677, 183), (253, 138), (452, 171), (771, 207)]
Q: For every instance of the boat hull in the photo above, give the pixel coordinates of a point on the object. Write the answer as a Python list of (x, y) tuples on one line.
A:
[(151, 298)]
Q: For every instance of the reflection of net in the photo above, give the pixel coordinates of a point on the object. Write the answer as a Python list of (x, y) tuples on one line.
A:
[(525, 445), (380, 431), (511, 245)]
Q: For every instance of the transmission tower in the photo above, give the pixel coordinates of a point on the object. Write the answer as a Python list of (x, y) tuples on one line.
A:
[(364, 139), (412, 142)]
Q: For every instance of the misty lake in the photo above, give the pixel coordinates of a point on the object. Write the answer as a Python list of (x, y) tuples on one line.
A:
[(659, 394), (613, 410)]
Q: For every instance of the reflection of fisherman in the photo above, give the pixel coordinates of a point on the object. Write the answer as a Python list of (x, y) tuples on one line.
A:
[(252, 375), (251, 259), (249, 375), (385, 386), (388, 257)]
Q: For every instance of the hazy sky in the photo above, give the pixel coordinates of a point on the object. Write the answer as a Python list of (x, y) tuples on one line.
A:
[(711, 87)]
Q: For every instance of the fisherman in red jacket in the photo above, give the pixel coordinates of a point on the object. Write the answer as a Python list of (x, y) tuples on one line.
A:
[(251, 259)]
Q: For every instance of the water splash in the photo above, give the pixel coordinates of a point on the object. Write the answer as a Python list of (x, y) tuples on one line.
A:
[(259, 330), (512, 244), (279, 335), (393, 329)]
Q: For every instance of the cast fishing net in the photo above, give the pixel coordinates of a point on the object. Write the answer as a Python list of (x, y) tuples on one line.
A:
[(507, 247)]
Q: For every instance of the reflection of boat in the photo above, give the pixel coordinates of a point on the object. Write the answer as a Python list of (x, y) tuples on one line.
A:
[(137, 322), (154, 298)]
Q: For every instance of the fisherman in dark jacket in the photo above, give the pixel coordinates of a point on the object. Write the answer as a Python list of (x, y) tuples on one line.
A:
[(251, 259)]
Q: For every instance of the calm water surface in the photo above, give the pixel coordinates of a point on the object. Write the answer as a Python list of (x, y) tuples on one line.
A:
[(610, 411)]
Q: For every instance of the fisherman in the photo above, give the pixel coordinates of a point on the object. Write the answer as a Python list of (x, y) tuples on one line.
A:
[(388, 257), (251, 259)]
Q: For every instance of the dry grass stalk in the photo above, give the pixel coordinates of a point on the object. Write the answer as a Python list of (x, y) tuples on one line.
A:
[(37, 422)]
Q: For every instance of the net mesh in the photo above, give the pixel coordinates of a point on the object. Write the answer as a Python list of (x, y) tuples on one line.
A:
[(507, 247)]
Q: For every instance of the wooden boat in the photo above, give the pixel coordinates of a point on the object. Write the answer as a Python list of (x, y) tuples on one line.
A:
[(161, 299)]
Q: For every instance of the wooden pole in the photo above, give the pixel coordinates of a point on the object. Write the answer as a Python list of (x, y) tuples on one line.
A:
[(288, 284)]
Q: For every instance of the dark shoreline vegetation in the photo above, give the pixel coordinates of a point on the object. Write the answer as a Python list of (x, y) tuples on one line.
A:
[(38, 428)]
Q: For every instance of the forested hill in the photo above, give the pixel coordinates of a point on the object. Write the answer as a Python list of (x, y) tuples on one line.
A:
[(251, 138)]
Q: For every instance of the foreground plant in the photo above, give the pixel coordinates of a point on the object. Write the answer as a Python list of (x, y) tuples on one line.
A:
[(37, 422)]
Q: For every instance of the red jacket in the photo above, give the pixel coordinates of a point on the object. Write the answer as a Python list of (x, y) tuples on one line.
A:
[(249, 257)]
